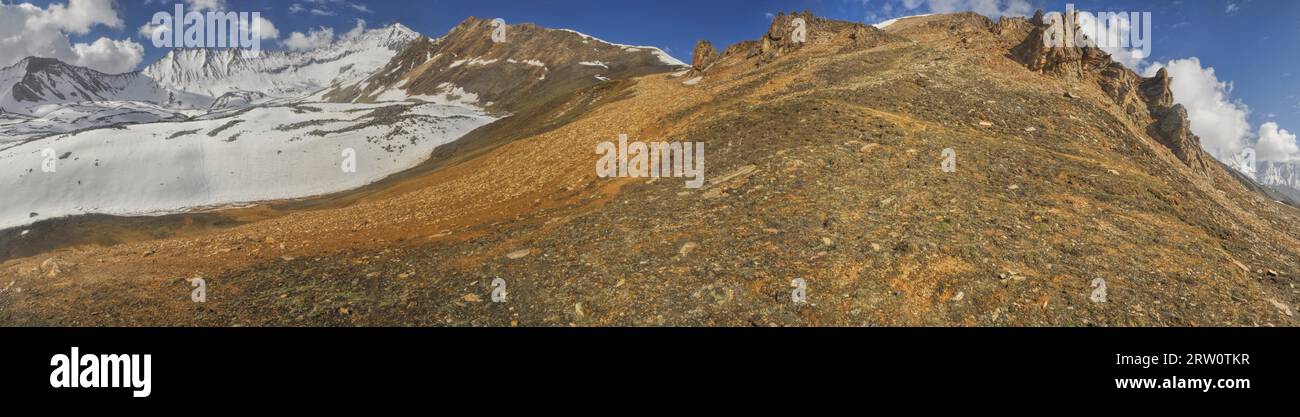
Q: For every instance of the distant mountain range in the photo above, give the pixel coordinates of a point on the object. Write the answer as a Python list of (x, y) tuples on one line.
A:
[(205, 128), (1281, 176)]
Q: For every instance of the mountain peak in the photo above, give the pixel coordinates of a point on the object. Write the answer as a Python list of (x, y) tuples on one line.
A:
[(216, 72), (36, 64), (469, 65)]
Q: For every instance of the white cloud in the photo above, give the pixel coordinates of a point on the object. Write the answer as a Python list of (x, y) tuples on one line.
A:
[(265, 29), (201, 5), (28, 30), (316, 38), (360, 8), (110, 56), (1220, 123), (357, 30), (1232, 9), (991, 8), (1276, 144), (148, 29), (78, 16)]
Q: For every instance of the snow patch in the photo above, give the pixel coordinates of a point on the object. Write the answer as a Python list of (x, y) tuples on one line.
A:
[(266, 153), (890, 22)]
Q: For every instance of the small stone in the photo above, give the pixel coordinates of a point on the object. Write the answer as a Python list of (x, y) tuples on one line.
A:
[(1071, 94), (519, 253), (1272, 273), (986, 124), (51, 268), (471, 298), (1013, 187), (827, 241), (1031, 129), (345, 311), (372, 275), (148, 253), (1281, 307), (687, 248), (875, 247), (960, 295)]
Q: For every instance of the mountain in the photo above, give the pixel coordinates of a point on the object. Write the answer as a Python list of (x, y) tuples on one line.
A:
[(531, 65), (1281, 176), (216, 72), (1077, 196), (35, 83)]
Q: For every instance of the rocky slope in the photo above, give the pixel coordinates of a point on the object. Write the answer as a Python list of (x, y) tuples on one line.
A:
[(1077, 199)]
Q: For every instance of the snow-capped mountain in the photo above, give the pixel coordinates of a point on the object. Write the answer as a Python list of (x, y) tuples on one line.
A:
[(206, 128), (36, 86), (215, 72), (1283, 176)]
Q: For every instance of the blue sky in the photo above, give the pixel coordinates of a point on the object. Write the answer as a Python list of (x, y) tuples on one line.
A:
[(1250, 44)]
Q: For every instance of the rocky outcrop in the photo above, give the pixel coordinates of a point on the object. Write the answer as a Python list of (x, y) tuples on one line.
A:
[(1147, 101), (1156, 90), (788, 32), (791, 32), (1057, 60), (1173, 129), (704, 57), (1012, 26)]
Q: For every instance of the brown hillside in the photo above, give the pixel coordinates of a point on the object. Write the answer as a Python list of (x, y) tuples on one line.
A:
[(823, 164)]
